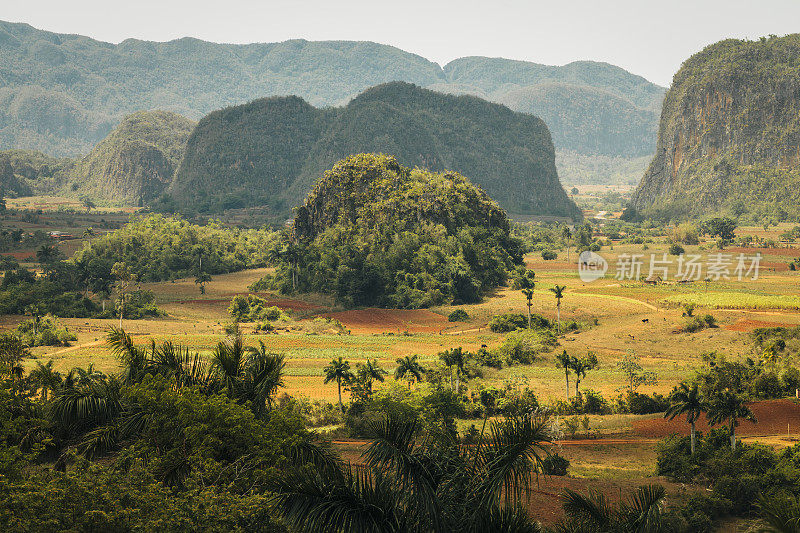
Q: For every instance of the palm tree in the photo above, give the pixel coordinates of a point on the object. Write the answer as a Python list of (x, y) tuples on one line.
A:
[(566, 234), (581, 365), (564, 360), (526, 284), (369, 372), (558, 290), (262, 378), (290, 253), (731, 407), (45, 378), (687, 400), (201, 279), (229, 360), (409, 368), (432, 483), (454, 358), (594, 513), (48, 254), (339, 370)]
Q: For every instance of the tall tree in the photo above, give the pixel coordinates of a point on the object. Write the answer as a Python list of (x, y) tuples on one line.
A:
[(338, 370), (564, 360), (526, 284), (729, 406), (566, 234), (125, 279), (408, 367), (558, 291), (370, 372), (581, 365), (687, 400)]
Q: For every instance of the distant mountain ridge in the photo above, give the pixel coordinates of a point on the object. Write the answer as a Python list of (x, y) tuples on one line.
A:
[(62, 94), (272, 151)]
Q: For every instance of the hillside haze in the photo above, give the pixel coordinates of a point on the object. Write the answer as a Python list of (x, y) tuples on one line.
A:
[(132, 166), (62, 94), (729, 137), (271, 151)]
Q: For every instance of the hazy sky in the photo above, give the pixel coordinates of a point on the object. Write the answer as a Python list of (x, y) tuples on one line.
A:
[(646, 37)]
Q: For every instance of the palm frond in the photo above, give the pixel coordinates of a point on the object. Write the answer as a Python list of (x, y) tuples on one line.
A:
[(593, 508), (780, 513), (508, 519), (327, 501), (511, 455)]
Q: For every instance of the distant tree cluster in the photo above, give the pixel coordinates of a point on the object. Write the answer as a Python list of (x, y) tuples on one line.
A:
[(158, 248)]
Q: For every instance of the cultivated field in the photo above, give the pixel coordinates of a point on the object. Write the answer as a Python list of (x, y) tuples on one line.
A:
[(616, 316)]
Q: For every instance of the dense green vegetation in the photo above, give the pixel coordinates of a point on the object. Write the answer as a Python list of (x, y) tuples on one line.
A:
[(158, 248), (25, 173), (62, 94), (729, 135), (373, 232), (271, 151)]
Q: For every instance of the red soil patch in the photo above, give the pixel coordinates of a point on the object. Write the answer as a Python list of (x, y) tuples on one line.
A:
[(772, 415), (763, 251), (20, 255), (750, 325), (374, 320)]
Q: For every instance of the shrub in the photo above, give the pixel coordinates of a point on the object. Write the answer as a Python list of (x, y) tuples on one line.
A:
[(250, 308), (699, 323), (766, 385), (523, 346), (490, 358), (592, 402), (507, 322), (555, 465), (791, 380), (515, 403), (549, 255), (676, 249), (642, 404), (49, 332), (459, 315)]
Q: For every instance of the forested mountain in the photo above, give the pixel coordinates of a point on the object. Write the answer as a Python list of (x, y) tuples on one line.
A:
[(374, 232), (62, 94), (729, 137), (271, 151), (131, 166)]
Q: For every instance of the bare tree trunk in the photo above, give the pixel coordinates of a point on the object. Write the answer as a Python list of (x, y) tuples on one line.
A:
[(529, 314), (566, 375), (733, 435), (693, 436), (339, 384), (558, 314)]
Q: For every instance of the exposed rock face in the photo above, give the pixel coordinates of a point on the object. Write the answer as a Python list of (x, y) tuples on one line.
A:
[(137, 161), (729, 131)]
